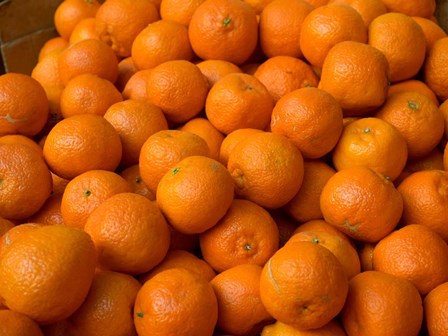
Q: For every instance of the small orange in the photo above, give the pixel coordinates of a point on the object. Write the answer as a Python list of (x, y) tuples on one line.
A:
[(305, 205), (422, 8), (278, 328), (247, 234), (118, 22), (135, 121), (86, 192), (179, 88), (231, 140), (54, 43), (97, 146), (46, 273), (425, 199), (5, 225), (417, 118), (258, 5), (161, 41), (25, 181), (368, 9), (402, 42), (366, 256), (21, 139), (84, 30), (444, 109), (179, 10), (435, 308), (50, 212), (130, 233), (416, 253), (135, 87), (320, 225), (132, 175), (70, 12), (311, 302), (88, 56), (183, 259), (328, 25), (126, 68), (107, 309), (46, 71), (88, 93), (214, 70), (54, 100), (413, 85), (23, 105), (379, 304), (224, 29), (16, 324), (311, 119), (205, 129), (284, 74), (194, 307), (434, 71), (163, 150), (280, 25), (236, 101), (431, 29), (357, 76), (361, 203), (195, 194), (240, 310), (59, 184), (267, 169)]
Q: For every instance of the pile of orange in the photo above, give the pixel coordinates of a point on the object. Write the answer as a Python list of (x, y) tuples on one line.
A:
[(228, 167)]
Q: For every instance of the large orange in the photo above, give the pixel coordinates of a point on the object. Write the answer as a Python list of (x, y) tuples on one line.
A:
[(224, 29), (195, 194), (434, 71), (16, 324), (193, 303), (435, 308), (361, 203), (130, 233), (46, 272), (311, 119)]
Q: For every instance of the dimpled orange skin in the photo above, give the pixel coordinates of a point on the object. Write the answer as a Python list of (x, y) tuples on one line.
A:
[(16, 324)]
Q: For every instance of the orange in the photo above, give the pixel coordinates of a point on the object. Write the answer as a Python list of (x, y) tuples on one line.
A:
[(130, 233), (21, 139), (357, 76), (402, 42), (195, 194), (135, 121), (46, 71), (132, 175), (97, 146), (161, 41), (179, 88), (310, 118), (332, 328), (267, 169), (126, 68), (70, 12), (432, 31), (340, 247), (5, 226), (247, 234), (373, 143), (311, 302), (163, 150), (88, 56), (434, 308), (328, 25), (194, 307), (59, 184), (284, 74), (86, 192), (88, 93), (413, 85), (183, 259), (416, 253), (16, 324), (240, 310), (381, 304), (46, 272), (225, 30), (11, 235), (84, 30), (23, 105), (317, 3), (54, 100), (305, 205), (361, 203), (422, 8), (368, 9), (238, 100), (231, 140), (417, 118), (258, 5), (425, 198), (118, 22), (444, 109), (366, 256), (434, 72), (280, 25), (135, 87), (50, 212), (107, 309), (214, 70), (179, 10), (205, 129), (320, 225), (54, 43), (25, 181)]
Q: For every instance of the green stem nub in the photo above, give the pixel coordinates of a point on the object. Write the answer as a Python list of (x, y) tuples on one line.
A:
[(140, 314), (227, 21), (87, 192)]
